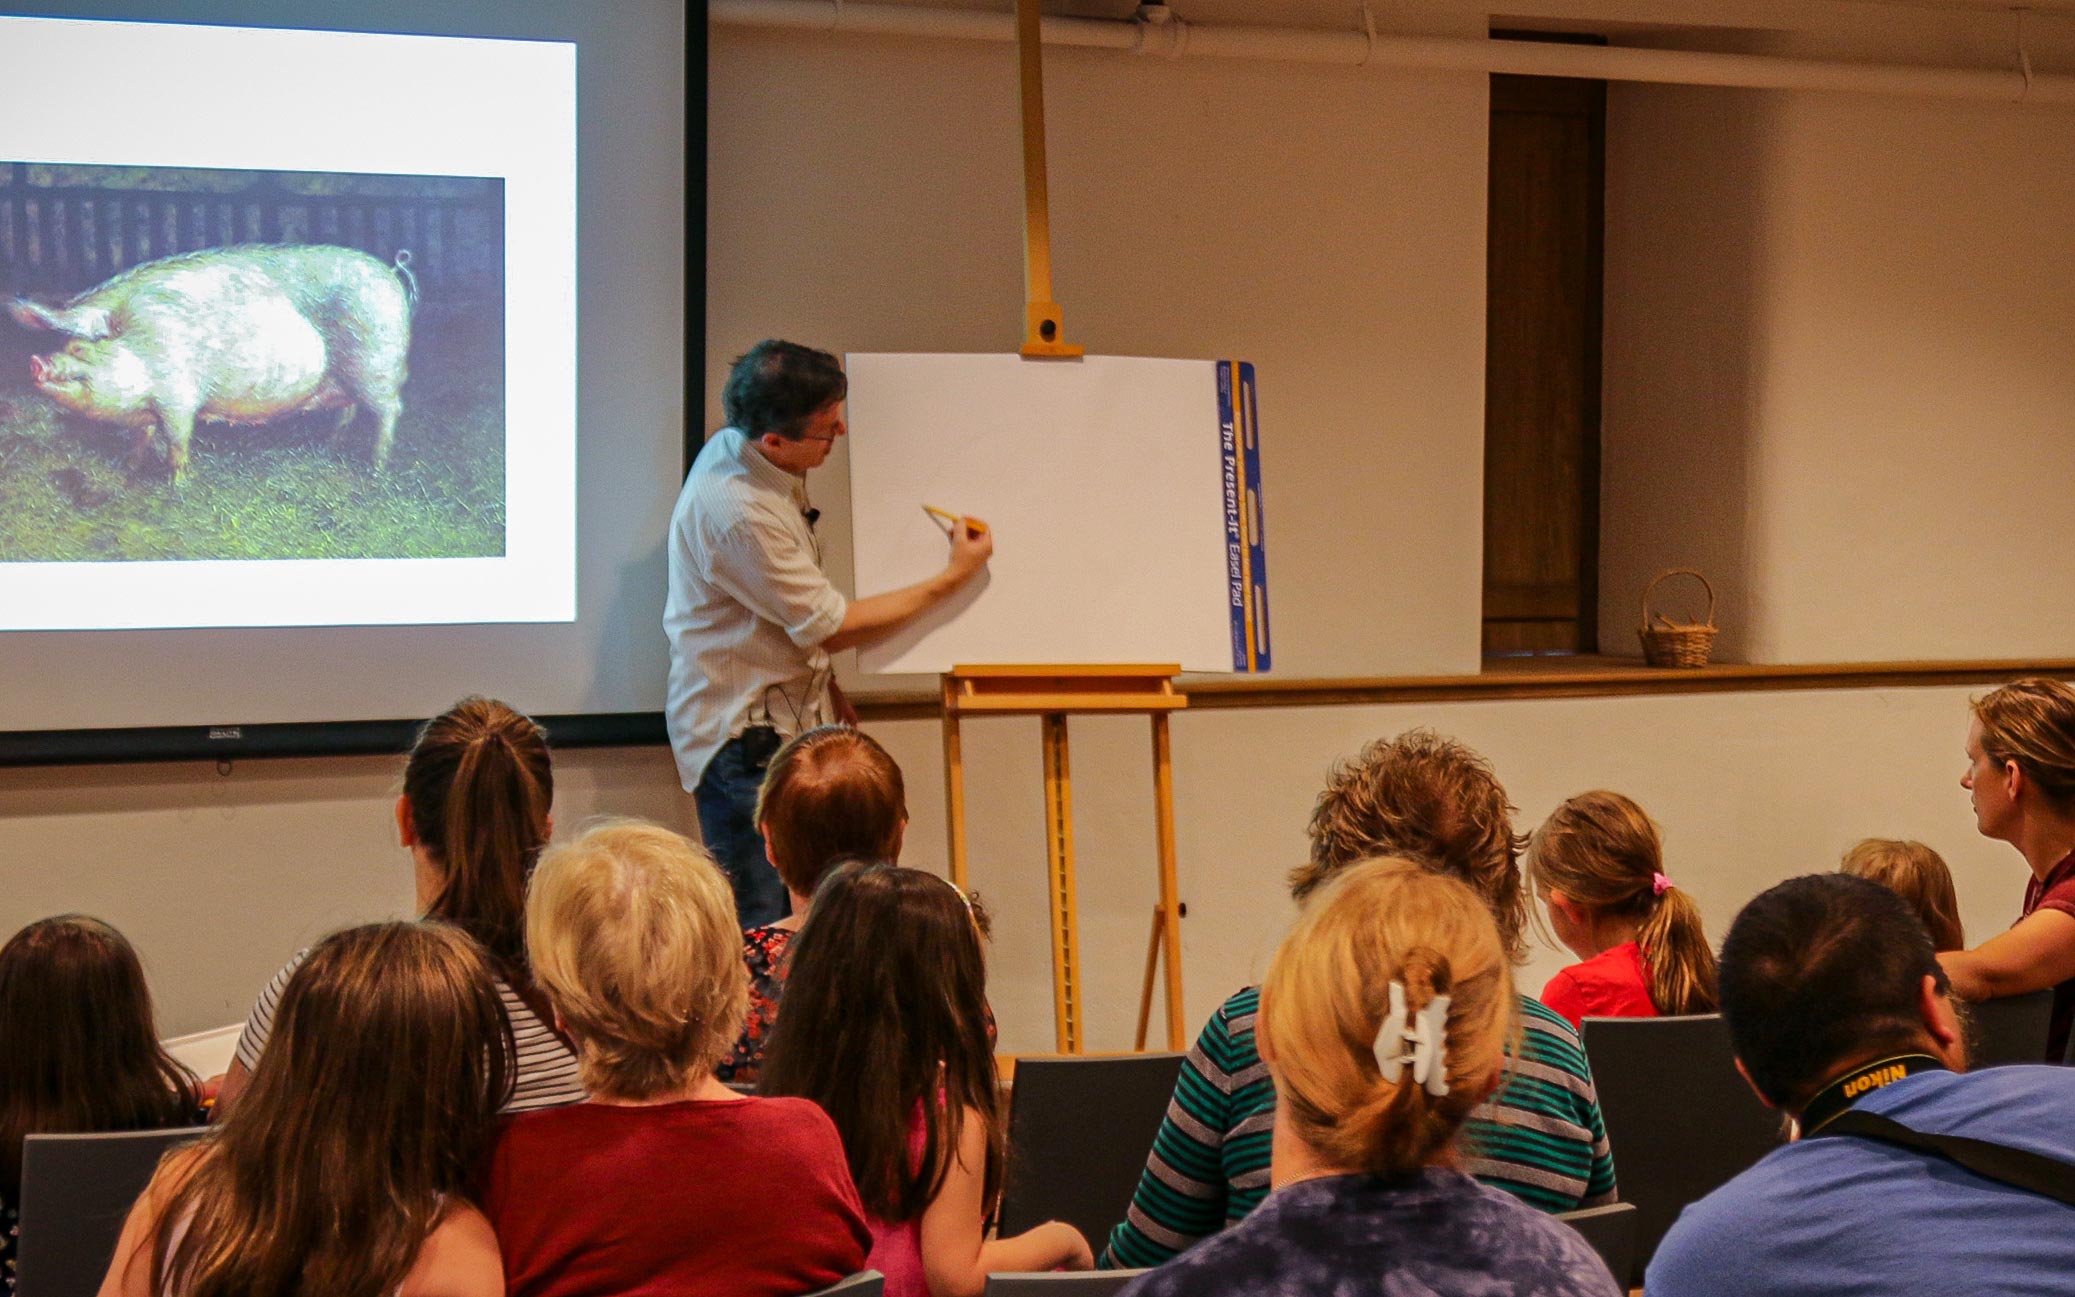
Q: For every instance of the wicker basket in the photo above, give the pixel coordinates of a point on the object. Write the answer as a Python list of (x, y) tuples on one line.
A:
[(1667, 643)]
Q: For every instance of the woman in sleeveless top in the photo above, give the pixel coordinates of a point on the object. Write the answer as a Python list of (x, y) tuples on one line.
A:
[(474, 815), (347, 1168)]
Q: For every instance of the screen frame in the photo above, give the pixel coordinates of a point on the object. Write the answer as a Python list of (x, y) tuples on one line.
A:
[(229, 739)]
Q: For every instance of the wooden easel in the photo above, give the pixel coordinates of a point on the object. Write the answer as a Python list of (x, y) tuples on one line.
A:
[(1052, 693)]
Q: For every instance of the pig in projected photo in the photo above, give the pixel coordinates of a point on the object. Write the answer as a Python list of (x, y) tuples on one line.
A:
[(212, 364), (235, 335)]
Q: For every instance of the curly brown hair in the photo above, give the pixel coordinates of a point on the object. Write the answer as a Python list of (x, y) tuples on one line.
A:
[(1427, 797)]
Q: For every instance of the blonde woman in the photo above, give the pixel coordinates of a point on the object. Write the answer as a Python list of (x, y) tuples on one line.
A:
[(1598, 865), (1384, 1022), (1919, 876), (665, 1180), (2021, 778)]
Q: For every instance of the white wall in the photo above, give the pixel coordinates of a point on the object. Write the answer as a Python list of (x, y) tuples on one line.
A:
[(1840, 369)]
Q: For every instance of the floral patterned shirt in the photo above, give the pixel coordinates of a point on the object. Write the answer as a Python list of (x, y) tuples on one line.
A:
[(764, 951)]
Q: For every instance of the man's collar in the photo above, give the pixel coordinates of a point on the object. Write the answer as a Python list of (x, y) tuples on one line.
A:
[(1856, 1083), (766, 472)]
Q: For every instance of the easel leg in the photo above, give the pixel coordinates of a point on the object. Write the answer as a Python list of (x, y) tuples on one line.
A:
[(1170, 923), (1145, 992), (954, 785), (1059, 845)]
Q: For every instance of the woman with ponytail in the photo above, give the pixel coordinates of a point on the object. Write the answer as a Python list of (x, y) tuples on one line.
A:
[(1384, 1022), (1598, 866), (474, 815)]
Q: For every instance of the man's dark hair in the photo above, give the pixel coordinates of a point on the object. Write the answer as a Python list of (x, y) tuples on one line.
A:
[(777, 386), (1819, 973)]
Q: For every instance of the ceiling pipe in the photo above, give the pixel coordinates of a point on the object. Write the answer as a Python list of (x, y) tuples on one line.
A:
[(1174, 39)]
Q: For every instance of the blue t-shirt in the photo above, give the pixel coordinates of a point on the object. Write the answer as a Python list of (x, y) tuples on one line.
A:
[(1436, 1233), (1841, 1216)]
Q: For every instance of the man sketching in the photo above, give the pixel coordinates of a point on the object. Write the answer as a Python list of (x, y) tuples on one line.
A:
[(750, 615)]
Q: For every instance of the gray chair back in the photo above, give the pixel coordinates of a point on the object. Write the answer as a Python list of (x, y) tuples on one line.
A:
[(1611, 1232), (865, 1283), (1079, 1132), (76, 1192), (1080, 1283), (2009, 1029), (1680, 1118)]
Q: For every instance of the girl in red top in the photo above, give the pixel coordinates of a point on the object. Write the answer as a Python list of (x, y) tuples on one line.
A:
[(1598, 866)]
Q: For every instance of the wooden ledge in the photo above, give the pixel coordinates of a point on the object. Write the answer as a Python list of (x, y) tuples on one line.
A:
[(1580, 677)]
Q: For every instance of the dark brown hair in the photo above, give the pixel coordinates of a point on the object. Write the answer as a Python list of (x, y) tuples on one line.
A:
[(1602, 852), (369, 1115), (2032, 722), (479, 785), (829, 793), (78, 1049), (1919, 876), (1821, 972), (885, 1017), (1431, 799)]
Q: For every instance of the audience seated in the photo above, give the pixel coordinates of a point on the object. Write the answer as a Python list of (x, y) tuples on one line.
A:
[(1836, 1009), (2021, 778), (1540, 1138), (1598, 866), (1919, 876), (474, 816), (665, 1181), (885, 1026), (829, 794), (78, 1049), (348, 1165), (1383, 1023)]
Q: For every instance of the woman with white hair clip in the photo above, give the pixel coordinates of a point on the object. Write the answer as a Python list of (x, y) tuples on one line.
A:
[(1384, 1021), (666, 1180)]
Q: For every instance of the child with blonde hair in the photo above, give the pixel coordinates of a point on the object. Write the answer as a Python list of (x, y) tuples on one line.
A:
[(1918, 875), (1598, 865), (1384, 1022)]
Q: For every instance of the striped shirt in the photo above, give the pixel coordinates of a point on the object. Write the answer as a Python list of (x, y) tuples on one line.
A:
[(1540, 1138), (548, 1074), (748, 605)]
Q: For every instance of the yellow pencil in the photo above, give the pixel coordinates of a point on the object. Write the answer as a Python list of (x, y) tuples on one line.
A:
[(947, 520)]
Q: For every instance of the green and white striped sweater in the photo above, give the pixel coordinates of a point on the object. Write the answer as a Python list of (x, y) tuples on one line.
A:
[(1540, 1138)]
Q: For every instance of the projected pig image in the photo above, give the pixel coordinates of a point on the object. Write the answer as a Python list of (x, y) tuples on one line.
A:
[(235, 335), (217, 364)]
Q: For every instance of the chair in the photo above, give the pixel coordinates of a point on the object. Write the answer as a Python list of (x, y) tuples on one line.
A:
[(866, 1283), (2008, 1029), (1079, 1131), (1611, 1232), (1080, 1283), (1680, 1118), (76, 1192)]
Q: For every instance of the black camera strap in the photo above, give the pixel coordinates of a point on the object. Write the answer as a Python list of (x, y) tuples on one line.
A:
[(1831, 1113)]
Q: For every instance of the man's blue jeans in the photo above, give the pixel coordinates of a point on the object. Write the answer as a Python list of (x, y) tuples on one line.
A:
[(727, 801)]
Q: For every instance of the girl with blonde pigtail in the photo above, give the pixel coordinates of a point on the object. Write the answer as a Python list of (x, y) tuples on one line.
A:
[(1384, 1022), (1598, 866)]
